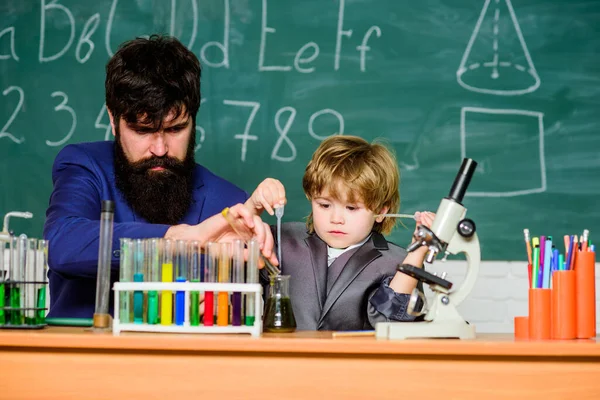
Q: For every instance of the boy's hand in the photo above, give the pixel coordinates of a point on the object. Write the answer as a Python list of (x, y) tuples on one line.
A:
[(269, 194), (423, 218)]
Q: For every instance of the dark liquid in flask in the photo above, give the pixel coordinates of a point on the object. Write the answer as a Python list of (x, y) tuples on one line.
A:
[(279, 316)]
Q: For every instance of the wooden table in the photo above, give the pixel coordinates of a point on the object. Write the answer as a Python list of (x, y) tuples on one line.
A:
[(68, 363)]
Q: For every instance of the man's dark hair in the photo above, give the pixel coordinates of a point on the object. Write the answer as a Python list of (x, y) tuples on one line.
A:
[(149, 78)]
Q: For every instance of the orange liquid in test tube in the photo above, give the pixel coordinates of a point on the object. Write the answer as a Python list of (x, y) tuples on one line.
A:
[(224, 277)]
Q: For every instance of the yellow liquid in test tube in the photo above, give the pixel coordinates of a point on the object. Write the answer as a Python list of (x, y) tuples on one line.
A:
[(166, 304)]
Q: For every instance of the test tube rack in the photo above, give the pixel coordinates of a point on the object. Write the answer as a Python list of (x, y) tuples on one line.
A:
[(28, 314), (246, 288), (23, 282)]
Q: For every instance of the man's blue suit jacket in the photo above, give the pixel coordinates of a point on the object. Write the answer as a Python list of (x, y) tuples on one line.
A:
[(83, 176)]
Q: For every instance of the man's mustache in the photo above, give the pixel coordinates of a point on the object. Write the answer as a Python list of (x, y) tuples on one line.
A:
[(168, 163)]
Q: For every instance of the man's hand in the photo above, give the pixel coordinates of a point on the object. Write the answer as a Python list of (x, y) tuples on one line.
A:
[(269, 194), (216, 229)]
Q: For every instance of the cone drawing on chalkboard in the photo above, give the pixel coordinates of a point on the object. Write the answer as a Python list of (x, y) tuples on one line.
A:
[(496, 60)]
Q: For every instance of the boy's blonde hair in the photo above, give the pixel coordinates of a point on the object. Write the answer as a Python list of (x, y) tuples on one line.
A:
[(350, 166)]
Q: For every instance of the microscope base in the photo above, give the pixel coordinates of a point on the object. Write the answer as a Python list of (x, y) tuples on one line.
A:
[(425, 330)]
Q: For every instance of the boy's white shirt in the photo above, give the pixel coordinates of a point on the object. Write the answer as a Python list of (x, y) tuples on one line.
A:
[(333, 253)]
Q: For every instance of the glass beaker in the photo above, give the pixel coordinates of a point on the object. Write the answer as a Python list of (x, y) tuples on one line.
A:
[(279, 316)]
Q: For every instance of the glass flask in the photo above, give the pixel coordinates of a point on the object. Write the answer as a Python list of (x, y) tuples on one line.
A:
[(279, 316)]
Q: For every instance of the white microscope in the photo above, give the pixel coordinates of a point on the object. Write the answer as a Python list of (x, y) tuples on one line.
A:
[(451, 233)]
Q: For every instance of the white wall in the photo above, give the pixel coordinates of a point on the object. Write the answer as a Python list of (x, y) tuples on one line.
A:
[(499, 295)]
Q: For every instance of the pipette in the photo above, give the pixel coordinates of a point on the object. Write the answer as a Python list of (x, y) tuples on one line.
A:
[(408, 216), (246, 235), (279, 214)]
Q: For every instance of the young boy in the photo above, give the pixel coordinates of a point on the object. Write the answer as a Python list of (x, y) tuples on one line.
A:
[(343, 271)]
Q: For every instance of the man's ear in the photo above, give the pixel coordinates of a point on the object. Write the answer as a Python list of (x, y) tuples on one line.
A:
[(383, 211), (112, 121)]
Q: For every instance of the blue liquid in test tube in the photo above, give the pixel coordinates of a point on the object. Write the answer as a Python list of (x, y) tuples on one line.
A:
[(181, 259)]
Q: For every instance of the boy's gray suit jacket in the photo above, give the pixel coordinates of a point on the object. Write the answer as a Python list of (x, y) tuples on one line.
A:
[(357, 300)]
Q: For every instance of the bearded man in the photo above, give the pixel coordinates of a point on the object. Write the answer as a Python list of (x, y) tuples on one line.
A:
[(149, 172)]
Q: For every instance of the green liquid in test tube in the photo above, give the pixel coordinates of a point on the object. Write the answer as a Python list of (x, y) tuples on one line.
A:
[(138, 276), (2, 279), (153, 249), (251, 277), (41, 276), (18, 277), (30, 286), (125, 275), (195, 271)]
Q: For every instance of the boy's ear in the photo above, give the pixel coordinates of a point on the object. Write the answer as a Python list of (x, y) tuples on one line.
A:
[(380, 218)]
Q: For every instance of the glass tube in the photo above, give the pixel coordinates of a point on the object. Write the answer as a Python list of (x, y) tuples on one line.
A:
[(237, 271), (210, 269), (104, 259), (3, 273), (153, 275), (251, 277), (30, 285), (17, 292), (41, 277), (166, 298), (195, 259), (224, 277), (126, 275), (181, 274), (138, 276)]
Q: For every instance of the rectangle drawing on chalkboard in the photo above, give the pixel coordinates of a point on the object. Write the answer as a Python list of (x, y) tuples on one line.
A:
[(509, 146)]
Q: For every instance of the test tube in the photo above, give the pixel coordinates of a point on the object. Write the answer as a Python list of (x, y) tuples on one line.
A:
[(224, 277), (3, 273), (41, 276), (251, 277), (166, 298), (195, 274), (13, 317), (210, 270), (30, 284), (125, 275), (152, 275), (237, 255), (181, 259), (101, 315), (138, 276), (17, 294), (246, 234)]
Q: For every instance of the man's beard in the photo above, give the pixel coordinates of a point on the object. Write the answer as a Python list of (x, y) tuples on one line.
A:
[(160, 197)]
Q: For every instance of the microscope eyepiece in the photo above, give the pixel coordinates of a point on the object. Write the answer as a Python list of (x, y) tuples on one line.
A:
[(462, 180)]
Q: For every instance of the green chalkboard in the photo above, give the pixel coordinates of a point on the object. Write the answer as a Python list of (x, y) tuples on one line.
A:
[(513, 85)]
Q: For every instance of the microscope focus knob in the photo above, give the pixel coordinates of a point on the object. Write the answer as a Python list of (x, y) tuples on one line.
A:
[(466, 227)]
